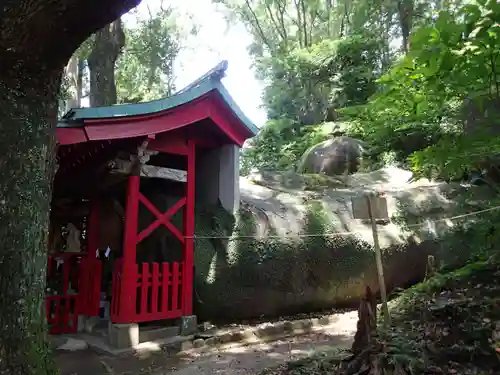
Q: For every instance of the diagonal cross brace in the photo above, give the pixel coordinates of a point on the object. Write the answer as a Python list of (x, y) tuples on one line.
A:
[(161, 218)]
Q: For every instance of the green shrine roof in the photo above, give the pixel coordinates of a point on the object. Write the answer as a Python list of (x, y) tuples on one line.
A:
[(211, 81)]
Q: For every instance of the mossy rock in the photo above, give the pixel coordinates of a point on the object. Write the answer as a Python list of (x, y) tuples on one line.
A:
[(294, 181), (333, 157), (275, 276), (252, 272)]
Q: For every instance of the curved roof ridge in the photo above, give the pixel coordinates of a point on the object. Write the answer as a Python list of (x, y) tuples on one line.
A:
[(215, 74), (210, 81)]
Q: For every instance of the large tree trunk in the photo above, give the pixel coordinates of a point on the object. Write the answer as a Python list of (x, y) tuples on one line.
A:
[(28, 111), (405, 10), (38, 38), (108, 44)]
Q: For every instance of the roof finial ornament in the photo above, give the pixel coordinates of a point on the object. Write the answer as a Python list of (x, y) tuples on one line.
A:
[(215, 74)]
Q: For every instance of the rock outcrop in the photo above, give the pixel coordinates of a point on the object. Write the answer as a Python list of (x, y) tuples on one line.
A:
[(333, 157), (295, 247)]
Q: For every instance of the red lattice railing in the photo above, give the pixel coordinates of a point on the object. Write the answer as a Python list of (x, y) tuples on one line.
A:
[(78, 290), (62, 314), (157, 292), (61, 302)]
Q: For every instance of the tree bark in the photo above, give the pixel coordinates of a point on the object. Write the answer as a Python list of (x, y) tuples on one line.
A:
[(28, 109), (38, 38), (405, 10), (108, 44)]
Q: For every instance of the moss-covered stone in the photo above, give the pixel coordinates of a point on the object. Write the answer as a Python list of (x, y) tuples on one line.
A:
[(251, 277), (255, 263)]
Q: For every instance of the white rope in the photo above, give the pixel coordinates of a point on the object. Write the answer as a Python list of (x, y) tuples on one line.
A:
[(333, 234)]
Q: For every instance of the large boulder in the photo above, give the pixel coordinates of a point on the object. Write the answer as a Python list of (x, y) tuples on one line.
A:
[(333, 157), (265, 268)]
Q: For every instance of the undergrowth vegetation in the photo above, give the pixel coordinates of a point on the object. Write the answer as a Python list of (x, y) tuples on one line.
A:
[(449, 324)]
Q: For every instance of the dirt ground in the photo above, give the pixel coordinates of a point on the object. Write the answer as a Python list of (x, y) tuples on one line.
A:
[(237, 360)]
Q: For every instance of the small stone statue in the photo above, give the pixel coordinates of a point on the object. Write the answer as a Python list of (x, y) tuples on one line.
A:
[(73, 239)]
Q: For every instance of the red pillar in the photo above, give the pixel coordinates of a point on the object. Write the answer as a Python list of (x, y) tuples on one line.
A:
[(128, 282), (189, 231)]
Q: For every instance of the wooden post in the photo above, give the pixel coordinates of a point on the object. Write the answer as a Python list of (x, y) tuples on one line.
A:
[(378, 259), (189, 231), (128, 283), (89, 283), (93, 228)]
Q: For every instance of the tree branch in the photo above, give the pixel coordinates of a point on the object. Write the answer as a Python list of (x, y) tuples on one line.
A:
[(269, 12), (258, 26), (42, 32)]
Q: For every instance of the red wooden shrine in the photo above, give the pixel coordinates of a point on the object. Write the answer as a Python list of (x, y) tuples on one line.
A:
[(200, 117)]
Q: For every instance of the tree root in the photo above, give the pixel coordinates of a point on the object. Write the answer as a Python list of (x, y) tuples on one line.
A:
[(370, 362), (366, 358)]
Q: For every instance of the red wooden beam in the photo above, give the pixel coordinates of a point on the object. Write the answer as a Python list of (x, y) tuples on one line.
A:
[(172, 144), (211, 105), (69, 136), (189, 219), (233, 121), (161, 218), (128, 290), (227, 121), (137, 126)]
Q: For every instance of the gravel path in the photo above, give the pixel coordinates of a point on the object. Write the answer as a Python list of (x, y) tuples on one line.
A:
[(235, 359), (253, 359)]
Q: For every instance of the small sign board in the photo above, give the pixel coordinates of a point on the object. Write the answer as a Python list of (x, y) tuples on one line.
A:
[(372, 207), (379, 208)]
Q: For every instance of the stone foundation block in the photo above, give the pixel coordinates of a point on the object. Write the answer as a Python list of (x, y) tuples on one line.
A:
[(189, 325), (81, 323), (123, 336)]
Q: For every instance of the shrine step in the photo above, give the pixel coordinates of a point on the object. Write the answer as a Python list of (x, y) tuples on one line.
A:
[(167, 345)]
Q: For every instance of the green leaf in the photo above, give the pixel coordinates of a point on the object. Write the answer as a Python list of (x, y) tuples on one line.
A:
[(471, 13), (421, 107)]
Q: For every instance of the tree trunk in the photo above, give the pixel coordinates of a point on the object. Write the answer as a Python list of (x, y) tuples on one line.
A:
[(38, 38), (367, 322), (405, 10), (28, 109), (108, 45)]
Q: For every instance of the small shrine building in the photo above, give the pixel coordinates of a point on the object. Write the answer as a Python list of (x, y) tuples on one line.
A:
[(114, 164)]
